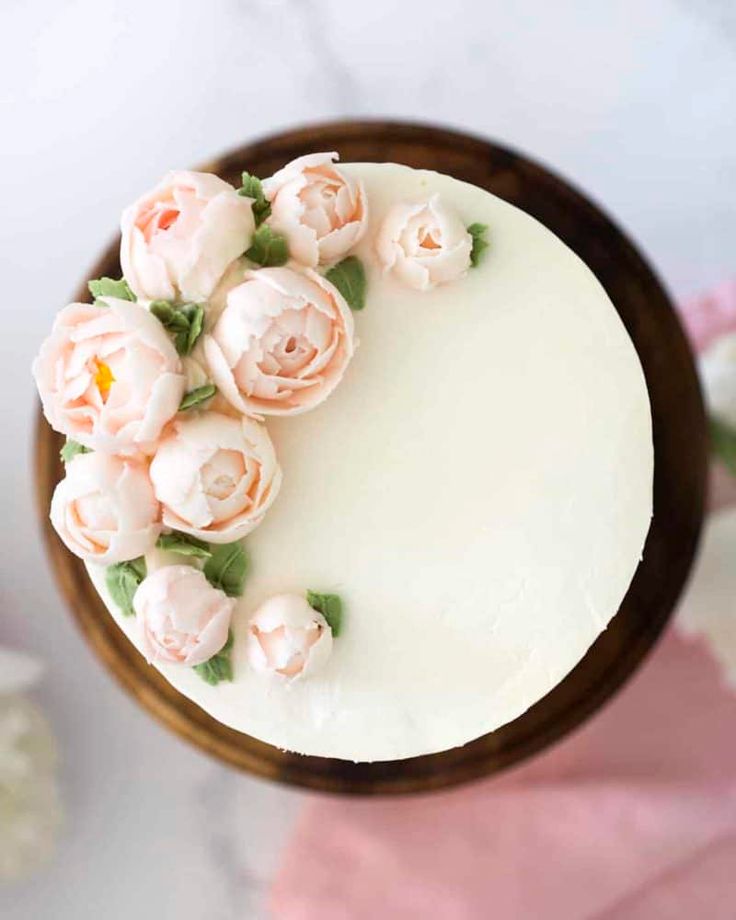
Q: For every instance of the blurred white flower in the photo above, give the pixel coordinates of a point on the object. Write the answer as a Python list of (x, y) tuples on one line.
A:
[(717, 367), (29, 798)]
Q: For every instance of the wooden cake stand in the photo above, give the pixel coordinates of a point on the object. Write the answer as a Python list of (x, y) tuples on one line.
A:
[(680, 447)]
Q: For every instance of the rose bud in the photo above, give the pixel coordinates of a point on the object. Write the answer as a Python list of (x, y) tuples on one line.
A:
[(288, 637), (179, 238), (105, 510), (182, 619), (424, 244), (321, 211), (215, 476)]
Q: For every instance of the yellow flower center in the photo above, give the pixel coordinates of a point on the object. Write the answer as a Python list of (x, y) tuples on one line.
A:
[(104, 379)]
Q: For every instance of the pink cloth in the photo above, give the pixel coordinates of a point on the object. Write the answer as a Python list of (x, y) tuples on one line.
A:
[(633, 817)]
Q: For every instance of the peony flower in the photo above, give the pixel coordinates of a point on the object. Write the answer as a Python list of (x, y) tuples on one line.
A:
[(288, 637), (109, 376), (718, 373), (178, 239), (321, 211), (216, 476), (282, 342), (182, 619), (424, 243), (104, 509)]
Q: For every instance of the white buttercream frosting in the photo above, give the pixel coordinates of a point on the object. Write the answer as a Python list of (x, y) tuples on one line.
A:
[(477, 490)]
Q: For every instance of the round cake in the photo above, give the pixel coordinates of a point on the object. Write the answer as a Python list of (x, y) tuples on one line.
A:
[(359, 456)]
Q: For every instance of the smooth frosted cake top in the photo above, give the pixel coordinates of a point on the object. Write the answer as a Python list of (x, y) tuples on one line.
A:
[(462, 474)]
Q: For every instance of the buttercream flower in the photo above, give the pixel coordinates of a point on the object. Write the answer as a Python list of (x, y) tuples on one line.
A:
[(215, 476), (288, 637), (424, 243), (178, 239), (109, 376), (282, 343), (182, 618), (321, 211), (105, 510), (718, 372)]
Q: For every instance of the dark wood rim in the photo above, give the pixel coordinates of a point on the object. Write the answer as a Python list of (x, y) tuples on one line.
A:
[(681, 455)]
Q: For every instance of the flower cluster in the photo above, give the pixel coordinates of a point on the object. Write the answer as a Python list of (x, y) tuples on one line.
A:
[(235, 305)]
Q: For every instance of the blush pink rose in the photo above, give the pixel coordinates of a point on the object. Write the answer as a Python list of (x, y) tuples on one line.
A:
[(424, 243), (105, 510), (282, 343), (215, 476), (321, 211), (181, 618), (109, 376), (289, 638), (178, 239)]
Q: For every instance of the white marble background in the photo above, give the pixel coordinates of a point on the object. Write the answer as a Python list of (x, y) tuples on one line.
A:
[(634, 100)]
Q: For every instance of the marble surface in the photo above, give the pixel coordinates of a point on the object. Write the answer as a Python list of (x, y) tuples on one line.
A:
[(97, 98)]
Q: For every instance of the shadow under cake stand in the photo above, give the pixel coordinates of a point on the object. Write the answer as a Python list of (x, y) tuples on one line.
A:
[(680, 449)]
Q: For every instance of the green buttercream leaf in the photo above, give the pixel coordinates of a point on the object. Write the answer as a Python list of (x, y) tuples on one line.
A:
[(348, 277), (196, 324), (330, 606), (122, 581), (723, 442), (227, 567), (268, 249), (70, 450), (478, 232), (219, 667), (197, 396), (252, 188), (109, 287), (184, 545), (184, 322)]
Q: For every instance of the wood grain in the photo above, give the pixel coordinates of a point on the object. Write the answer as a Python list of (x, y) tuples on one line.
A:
[(680, 445)]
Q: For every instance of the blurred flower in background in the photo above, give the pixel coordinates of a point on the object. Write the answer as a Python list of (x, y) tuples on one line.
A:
[(30, 812)]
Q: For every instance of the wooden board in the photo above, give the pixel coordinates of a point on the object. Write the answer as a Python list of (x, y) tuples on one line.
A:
[(680, 444)]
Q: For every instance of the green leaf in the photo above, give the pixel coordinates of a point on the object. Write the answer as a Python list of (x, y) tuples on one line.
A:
[(122, 581), (109, 287), (348, 277), (227, 567), (70, 450), (184, 322), (723, 442), (163, 311), (219, 667), (183, 544), (196, 324), (330, 606), (197, 396), (478, 233), (268, 249), (252, 188)]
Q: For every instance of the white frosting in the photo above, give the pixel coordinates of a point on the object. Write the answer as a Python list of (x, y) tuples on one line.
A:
[(477, 489)]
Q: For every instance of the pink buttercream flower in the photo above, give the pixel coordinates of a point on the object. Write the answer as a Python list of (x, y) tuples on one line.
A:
[(178, 239), (109, 377), (216, 476), (282, 343), (182, 619), (321, 211), (288, 637), (105, 510), (424, 243)]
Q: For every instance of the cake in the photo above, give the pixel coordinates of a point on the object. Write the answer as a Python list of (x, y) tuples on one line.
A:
[(358, 456)]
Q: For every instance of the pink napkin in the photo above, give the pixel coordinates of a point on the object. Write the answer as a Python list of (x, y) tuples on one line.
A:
[(631, 818)]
